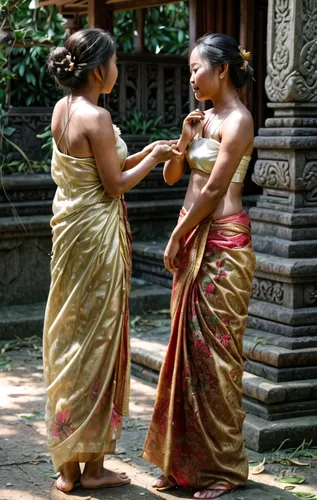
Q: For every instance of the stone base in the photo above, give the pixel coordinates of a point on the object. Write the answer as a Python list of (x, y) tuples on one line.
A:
[(261, 435), (21, 321)]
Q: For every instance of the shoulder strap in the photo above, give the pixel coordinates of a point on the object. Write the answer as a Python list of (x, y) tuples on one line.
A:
[(204, 127), (66, 120)]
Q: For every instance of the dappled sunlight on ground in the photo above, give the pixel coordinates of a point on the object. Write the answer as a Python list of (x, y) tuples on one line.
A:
[(26, 469)]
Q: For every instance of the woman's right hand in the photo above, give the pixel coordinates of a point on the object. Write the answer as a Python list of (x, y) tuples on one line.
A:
[(192, 124), (165, 152)]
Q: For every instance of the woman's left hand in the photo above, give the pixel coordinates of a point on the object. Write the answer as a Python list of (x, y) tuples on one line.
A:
[(149, 148), (172, 254)]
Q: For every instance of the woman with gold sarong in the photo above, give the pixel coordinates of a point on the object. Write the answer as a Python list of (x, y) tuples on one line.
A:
[(86, 331), (195, 435)]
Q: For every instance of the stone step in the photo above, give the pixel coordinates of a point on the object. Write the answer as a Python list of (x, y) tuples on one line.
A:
[(272, 401), (293, 317), (148, 262), (279, 357), (153, 219), (145, 297), (21, 321), (148, 350), (262, 435), (27, 319), (275, 374), (267, 325), (26, 208), (271, 393), (288, 270), (291, 343), (280, 411), (283, 247)]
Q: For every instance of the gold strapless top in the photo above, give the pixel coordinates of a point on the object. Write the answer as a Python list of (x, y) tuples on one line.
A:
[(202, 154)]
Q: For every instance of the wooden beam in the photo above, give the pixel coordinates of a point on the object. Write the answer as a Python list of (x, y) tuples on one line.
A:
[(247, 17), (58, 3), (140, 30), (99, 15), (137, 4), (116, 5)]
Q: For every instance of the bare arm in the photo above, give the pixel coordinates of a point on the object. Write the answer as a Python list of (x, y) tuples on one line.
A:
[(236, 138), (174, 169), (136, 158), (102, 139)]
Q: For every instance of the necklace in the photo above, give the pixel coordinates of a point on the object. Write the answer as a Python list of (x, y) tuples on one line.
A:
[(218, 113)]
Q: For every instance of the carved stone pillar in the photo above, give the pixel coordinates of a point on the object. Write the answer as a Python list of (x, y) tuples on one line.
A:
[(280, 383)]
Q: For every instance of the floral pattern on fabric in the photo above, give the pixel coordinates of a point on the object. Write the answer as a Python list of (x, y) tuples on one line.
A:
[(62, 425), (116, 420), (195, 435)]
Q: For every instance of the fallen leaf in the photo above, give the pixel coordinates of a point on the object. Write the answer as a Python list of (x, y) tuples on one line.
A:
[(126, 459), (289, 488), (258, 468), (291, 480), (161, 311), (304, 495), (293, 461)]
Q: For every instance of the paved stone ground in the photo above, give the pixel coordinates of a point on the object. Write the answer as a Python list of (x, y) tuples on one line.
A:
[(26, 469)]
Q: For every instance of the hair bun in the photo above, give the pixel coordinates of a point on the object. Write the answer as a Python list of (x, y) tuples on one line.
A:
[(60, 63)]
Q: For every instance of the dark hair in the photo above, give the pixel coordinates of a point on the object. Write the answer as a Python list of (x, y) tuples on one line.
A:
[(217, 48), (83, 51)]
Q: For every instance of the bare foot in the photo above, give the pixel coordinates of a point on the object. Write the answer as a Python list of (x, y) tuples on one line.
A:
[(163, 483), (70, 475), (95, 476)]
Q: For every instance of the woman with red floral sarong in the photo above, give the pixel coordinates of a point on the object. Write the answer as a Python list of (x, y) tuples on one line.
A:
[(195, 435)]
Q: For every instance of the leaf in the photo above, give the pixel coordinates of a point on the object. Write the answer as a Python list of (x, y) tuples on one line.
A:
[(51, 473), (289, 488), (134, 321), (258, 468), (293, 461), (29, 416), (304, 495), (291, 480)]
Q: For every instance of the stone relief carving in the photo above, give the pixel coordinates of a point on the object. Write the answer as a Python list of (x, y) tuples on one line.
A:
[(310, 181), (290, 79), (268, 290), (272, 173), (310, 295)]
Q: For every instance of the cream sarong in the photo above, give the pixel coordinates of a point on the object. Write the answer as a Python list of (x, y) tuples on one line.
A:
[(86, 330)]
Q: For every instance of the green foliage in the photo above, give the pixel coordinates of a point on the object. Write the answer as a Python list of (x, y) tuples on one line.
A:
[(48, 140), (24, 65), (138, 124), (166, 29), (8, 165), (125, 30)]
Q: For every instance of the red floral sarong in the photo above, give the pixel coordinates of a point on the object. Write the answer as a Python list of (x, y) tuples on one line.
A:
[(195, 435)]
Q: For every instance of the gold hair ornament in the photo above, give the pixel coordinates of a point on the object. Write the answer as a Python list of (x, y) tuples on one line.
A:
[(246, 56), (71, 63)]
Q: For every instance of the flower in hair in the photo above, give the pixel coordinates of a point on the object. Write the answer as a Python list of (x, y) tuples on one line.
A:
[(71, 62), (246, 56)]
